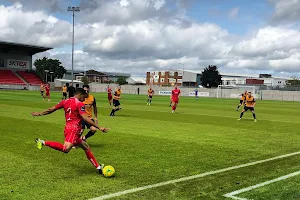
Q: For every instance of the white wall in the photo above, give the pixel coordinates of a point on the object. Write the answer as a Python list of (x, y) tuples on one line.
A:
[(226, 93)]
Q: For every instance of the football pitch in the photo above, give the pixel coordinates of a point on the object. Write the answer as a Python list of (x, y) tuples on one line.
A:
[(200, 152)]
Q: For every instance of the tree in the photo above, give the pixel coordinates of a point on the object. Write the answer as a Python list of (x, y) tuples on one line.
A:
[(122, 80), (53, 65), (211, 77), (293, 81), (85, 80)]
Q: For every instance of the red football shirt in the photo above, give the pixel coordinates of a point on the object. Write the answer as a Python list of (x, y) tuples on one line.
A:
[(109, 90), (175, 93), (47, 88), (73, 110)]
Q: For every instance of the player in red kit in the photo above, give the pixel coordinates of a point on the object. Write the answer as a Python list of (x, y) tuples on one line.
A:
[(175, 98), (74, 114), (47, 89), (109, 95)]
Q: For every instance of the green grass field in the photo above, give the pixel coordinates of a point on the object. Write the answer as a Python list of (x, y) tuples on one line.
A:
[(149, 145)]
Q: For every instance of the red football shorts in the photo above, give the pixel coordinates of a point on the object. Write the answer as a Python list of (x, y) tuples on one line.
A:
[(47, 93), (109, 97), (72, 135), (175, 101)]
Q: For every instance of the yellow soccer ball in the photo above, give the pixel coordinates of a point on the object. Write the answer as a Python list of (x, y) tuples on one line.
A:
[(108, 171)]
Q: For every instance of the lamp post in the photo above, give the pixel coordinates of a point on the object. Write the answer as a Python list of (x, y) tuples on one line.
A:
[(51, 76), (46, 75), (73, 9)]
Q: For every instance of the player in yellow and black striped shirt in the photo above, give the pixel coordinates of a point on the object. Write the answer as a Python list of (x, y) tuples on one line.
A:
[(242, 99), (249, 105), (90, 108), (116, 101)]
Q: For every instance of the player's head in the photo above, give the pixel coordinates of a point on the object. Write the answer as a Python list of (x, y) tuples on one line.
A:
[(86, 88), (119, 87), (245, 92), (249, 94), (80, 94), (176, 87)]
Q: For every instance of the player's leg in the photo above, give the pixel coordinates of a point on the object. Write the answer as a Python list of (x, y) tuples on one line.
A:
[(240, 104), (242, 113), (90, 156), (54, 145), (150, 100), (112, 113), (109, 99), (253, 114), (173, 106), (118, 107), (92, 131)]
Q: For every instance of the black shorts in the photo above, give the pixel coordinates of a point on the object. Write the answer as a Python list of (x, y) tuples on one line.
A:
[(150, 97), (116, 102), (64, 94), (85, 124), (42, 92), (241, 101), (248, 108)]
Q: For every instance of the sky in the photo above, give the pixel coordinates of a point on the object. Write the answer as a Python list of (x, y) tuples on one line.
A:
[(136, 36)]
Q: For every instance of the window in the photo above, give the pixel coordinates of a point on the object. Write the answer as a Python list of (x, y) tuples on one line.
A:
[(162, 80)]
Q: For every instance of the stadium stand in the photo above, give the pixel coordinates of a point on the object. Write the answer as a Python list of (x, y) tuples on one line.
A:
[(9, 77), (31, 77)]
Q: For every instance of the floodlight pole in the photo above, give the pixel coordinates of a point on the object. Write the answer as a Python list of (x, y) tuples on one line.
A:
[(51, 76), (46, 75), (73, 10), (182, 72)]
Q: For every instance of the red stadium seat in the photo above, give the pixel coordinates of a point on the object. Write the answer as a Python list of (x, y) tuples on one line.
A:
[(31, 77), (8, 77)]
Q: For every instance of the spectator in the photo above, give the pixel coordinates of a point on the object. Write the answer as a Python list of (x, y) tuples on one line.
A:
[(71, 90)]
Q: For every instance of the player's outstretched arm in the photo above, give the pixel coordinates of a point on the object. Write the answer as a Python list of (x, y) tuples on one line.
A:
[(89, 121), (45, 112)]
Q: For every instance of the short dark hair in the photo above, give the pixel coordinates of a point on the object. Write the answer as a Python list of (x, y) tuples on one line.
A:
[(87, 86), (80, 91)]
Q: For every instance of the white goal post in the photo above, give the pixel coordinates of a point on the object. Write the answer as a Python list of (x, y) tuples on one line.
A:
[(233, 91)]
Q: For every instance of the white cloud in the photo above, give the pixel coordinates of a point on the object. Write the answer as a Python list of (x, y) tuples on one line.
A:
[(136, 36), (34, 27), (286, 11)]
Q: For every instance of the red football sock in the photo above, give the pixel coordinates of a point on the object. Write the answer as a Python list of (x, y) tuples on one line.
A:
[(55, 145), (91, 157), (173, 107)]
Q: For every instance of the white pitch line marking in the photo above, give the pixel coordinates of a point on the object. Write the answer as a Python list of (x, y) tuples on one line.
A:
[(133, 190), (233, 194)]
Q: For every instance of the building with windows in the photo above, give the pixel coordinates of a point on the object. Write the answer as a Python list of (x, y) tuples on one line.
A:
[(191, 78)]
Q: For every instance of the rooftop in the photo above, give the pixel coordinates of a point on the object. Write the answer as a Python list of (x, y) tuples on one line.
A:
[(6, 47)]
